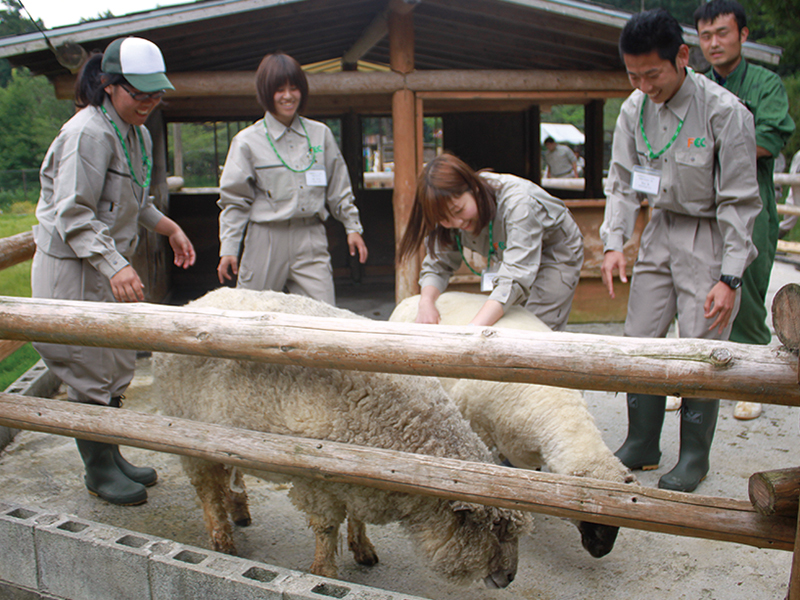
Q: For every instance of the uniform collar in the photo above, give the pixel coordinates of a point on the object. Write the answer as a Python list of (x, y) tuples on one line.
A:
[(680, 102), (734, 79), (123, 126), (277, 129)]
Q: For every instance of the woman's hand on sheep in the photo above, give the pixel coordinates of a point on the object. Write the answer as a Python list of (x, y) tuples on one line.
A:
[(126, 285)]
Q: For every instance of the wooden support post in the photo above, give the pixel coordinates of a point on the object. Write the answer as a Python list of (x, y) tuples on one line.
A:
[(534, 166), (593, 170), (405, 179), (775, 492), (401, 41)]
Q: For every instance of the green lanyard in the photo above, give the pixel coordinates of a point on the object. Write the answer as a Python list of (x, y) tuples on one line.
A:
[(654, 155), (147, 164), (464, 258), (280, 158)]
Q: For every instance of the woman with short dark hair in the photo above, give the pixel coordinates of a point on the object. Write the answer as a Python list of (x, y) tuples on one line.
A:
[(282, 178)]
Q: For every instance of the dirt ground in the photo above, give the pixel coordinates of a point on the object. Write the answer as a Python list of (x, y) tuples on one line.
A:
[(44, 471)]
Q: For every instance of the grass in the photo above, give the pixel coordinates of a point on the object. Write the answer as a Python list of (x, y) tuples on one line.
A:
[(16, 281)]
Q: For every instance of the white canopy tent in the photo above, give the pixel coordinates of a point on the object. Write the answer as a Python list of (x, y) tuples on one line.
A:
[(562, 132)]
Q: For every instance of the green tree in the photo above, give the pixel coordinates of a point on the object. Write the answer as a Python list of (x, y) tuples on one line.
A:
[(30, 117), (12, 22)]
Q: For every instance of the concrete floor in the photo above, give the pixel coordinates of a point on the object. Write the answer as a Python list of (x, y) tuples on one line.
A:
[(44, 471)]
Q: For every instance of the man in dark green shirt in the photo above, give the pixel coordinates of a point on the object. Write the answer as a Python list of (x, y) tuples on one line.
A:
[(722, 29)]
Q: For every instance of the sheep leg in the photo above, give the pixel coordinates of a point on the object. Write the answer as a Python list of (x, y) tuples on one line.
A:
[(326, 533), (210, 481), (362, 549), (236, 501)]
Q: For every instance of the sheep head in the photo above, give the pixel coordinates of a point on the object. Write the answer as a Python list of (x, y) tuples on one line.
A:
[(477, 542)]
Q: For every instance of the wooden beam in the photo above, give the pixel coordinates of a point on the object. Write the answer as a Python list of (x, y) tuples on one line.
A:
[(404, 128), (401, 41), (242, 83), (693, 368), (16, 249), (377, 30), (563, 496)]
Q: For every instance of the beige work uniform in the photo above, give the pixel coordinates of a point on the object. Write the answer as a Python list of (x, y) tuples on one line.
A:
[(537, 251), (704, 210), (561, 161), (275, 206), (89, 214)]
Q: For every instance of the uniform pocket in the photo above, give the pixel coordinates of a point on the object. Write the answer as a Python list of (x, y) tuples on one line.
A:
[(276, 181), (695, 173)]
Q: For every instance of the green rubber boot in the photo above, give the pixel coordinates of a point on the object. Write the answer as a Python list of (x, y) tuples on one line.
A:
[(104, 478), (641, 449), (144, 475), (698, 422)]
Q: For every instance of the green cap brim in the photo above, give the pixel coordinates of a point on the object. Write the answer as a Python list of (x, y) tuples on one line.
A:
[(150, 82)]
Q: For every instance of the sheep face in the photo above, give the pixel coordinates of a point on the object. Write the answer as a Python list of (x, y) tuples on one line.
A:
[(480, 543)]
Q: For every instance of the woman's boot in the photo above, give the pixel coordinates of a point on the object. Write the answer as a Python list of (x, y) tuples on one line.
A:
[(641, 449), (144, 475), (105, 479), (698, 422)]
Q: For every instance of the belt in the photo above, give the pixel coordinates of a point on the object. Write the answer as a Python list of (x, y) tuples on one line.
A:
[(295, 222)]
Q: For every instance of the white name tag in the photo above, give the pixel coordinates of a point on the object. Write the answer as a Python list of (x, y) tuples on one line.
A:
[(316, 177), (645, 180)]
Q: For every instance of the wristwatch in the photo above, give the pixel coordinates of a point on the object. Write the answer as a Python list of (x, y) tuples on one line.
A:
[(731, 281)]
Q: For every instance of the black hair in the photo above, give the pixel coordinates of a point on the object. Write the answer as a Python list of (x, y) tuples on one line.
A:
[(709, 12), (90, 86), (549, 139), (652, 30)]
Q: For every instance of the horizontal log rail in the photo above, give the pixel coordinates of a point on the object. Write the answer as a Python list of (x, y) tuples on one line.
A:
[(631, 506), (683, 367), (16, 249)]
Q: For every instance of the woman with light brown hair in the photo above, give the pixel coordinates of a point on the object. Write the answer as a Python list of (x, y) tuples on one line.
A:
[(533, 247)]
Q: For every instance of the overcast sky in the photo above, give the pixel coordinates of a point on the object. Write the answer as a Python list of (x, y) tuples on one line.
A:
[(57, 13)]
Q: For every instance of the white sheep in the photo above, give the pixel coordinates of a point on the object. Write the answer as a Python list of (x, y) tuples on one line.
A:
[(530, 425), (462, 541)]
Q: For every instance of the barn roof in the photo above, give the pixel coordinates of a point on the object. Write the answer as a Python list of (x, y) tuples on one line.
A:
[(233, 35)]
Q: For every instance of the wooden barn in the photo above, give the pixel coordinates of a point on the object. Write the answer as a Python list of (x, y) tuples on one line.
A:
[(486, 69)]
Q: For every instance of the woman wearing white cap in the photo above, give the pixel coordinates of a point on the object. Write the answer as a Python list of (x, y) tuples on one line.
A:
[(282, 178), (95, 194)]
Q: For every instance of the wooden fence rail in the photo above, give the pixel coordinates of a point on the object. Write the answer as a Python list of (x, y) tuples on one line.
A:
[(684, 367), (631, 506)]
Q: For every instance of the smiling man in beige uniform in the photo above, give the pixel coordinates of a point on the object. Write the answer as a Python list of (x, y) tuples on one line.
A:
[(687, 146)]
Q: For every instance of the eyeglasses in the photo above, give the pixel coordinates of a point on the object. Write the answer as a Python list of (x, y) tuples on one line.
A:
[(142, 96)]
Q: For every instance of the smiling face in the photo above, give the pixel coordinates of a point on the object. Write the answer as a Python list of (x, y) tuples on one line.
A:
[(287, 100), (721, 42), (656, 76), (133, 112), (463, 214)]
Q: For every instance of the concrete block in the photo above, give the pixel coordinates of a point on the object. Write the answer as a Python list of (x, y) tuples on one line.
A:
[(18, 565), (82, 560), (311, 587), (188, 572)]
